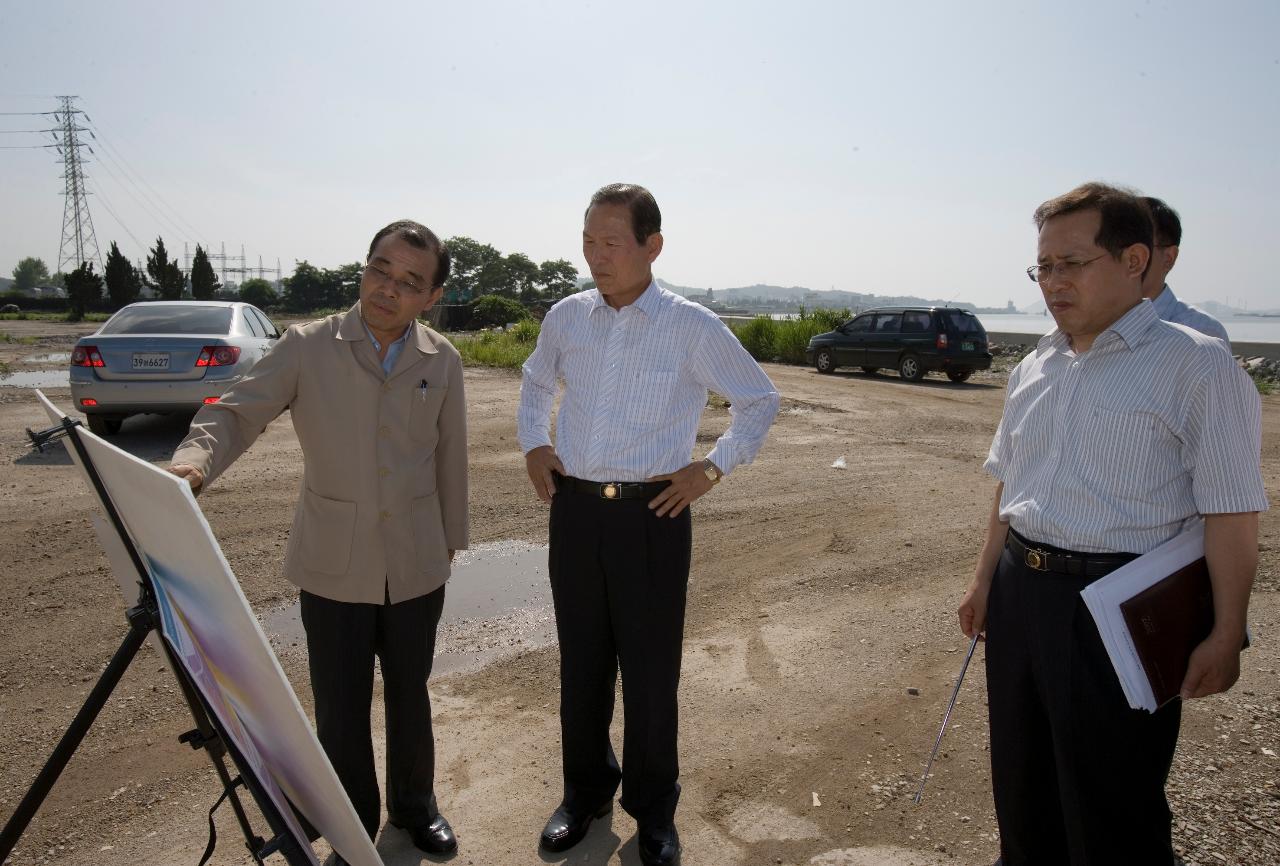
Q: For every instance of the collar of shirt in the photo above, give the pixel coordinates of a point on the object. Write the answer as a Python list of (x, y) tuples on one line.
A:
[(648, 302), (1129, 328), (393, 350), (1166, 303)]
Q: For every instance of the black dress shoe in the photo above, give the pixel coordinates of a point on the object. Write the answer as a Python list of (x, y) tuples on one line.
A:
[(565, 828), (659, 846), (434, 838)]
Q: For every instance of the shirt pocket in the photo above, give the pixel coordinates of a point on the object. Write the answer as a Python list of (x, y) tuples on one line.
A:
[(649, 399), (1125, 452), (424, 411)]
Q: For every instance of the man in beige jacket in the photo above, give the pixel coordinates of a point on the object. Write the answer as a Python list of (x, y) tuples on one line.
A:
[(376, 399)]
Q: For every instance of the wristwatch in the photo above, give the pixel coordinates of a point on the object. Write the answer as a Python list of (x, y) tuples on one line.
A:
[(713, 471)]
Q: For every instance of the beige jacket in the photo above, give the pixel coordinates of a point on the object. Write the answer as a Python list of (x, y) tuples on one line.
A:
[(384, 483)]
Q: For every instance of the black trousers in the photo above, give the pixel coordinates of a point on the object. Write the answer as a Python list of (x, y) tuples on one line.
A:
[(1078, 776), (342, 640), (619, 576)]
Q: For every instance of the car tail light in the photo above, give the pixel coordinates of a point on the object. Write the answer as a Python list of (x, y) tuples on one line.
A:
[(88, 401), (87, 356), (208, 400), (218, 356), (942, 340)]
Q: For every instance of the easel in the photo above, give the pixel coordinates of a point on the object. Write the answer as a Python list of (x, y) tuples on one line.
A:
[(207, 733)]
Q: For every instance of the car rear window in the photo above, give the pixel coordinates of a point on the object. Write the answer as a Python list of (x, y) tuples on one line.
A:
[(916, 322), (170, 320), (960, 322)]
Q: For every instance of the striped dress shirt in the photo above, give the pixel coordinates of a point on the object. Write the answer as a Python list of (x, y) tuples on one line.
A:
[(1116, 449), (636, 382), (1169, 308)]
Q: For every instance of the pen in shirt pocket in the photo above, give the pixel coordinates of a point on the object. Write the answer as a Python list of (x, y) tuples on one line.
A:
[(422, 390)]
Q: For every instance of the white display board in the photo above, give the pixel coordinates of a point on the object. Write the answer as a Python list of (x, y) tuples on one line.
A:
[(213, 633)]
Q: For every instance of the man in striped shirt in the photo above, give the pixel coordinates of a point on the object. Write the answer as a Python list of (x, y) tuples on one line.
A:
[(1164, 254), (1118, 431), (636, 362)]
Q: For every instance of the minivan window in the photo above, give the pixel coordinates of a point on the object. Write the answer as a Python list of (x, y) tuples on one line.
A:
[(860, 325), (149, 319), (916, 322), (960, 322), (888, 322)]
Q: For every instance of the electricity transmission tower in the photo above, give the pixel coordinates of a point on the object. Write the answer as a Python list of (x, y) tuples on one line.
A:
[(79, 243)]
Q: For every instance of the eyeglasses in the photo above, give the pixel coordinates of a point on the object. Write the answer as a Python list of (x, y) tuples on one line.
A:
[(1068, 270), (404, 287)]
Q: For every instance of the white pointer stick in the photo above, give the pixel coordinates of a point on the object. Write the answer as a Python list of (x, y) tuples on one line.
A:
[(955, 693)]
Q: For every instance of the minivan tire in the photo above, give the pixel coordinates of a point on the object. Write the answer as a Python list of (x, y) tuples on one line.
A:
[(909, 368), (824, 361)]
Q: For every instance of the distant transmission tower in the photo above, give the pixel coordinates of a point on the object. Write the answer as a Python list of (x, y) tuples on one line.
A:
[(79, 243)]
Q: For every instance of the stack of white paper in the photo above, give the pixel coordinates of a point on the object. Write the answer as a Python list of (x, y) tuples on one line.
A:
[(1104, 597)]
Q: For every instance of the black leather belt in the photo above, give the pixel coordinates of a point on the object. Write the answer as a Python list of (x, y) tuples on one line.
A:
[(610, 489), (1044, 558)]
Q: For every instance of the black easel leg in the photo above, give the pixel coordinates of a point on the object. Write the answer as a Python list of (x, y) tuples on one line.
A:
[(75, 733)]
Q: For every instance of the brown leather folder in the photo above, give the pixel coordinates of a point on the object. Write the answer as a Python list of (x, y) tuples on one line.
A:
[(1167, 621)]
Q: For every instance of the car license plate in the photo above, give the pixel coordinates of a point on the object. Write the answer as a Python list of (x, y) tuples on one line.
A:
[(151, 360), (966, 346)]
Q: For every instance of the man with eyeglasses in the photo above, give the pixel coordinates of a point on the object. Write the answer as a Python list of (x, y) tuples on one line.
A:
[(637, 362), (377, 401), (1168, 237), (1118, 431)]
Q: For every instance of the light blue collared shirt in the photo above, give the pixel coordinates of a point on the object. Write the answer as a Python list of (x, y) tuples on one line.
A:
[(1169, 308), (393, 351)]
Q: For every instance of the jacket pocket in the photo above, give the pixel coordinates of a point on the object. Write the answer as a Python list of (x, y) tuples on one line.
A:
[(431, 555), (424, 412), (325, 533)]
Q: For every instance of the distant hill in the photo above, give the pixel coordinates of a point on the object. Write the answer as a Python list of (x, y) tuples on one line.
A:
[(6, 284), (776, 297)]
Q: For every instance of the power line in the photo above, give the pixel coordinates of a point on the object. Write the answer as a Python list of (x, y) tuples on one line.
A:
[(137, 194), (77, 224), (139, 244)]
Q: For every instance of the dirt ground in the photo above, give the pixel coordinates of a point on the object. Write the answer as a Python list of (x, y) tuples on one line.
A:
[(818, 598)]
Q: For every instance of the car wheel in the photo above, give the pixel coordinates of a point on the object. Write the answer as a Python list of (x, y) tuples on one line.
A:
[(871, 371), (825, 361), (959, 375), (104, 425), (909, 368)]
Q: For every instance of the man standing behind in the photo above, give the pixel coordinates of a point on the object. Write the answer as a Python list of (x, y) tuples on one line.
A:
[(637, 362), (1164, 254), (376, 400), (1118, 431)]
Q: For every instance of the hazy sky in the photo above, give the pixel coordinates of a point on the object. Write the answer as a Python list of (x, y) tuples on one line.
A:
[(897, 148)]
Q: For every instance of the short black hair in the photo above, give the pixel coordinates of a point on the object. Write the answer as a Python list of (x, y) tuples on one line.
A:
[(646, 219), (1165, 219), (418, 235), (1125, 219)]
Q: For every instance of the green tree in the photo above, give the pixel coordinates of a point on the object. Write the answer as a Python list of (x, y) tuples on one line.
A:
[(344, 285), (496, 310), (84, 287), (165, 275), (123, 283), (258, 292), (557, 278), (306, 289), (469, 258), (29, 273), (522, 276), (204, 282)]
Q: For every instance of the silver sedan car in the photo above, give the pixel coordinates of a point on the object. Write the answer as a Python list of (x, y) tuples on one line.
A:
[(165, 357)]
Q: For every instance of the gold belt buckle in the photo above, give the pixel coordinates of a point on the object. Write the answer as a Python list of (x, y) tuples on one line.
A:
[(610, 491), (1037, 559)]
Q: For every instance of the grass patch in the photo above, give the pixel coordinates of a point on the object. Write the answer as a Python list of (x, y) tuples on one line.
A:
[(5, 369), (46, 316), (6, 337), (785, 340), (508, 349)]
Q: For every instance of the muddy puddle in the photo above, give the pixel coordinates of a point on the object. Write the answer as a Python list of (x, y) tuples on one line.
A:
[(36, 379), (497, 604)]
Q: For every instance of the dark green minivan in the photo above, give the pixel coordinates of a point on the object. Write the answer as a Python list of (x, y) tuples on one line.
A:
[(911, 340)]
